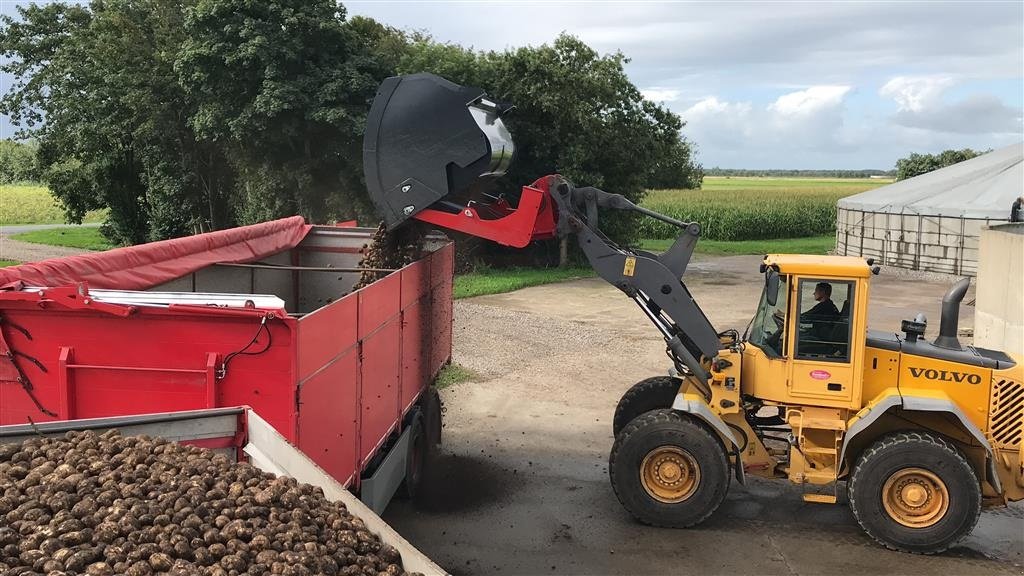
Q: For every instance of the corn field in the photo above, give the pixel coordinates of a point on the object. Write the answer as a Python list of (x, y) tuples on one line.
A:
[(753, 208)]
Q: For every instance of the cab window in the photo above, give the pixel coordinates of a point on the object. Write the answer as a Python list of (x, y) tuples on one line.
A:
[(768, 330), (824, 325)]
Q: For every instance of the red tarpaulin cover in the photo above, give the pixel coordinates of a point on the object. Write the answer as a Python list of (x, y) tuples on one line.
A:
[(147, 265)]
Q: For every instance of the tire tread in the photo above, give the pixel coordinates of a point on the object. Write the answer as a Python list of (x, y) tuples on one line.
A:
[(886, 444), (635, 394), (666, 417)]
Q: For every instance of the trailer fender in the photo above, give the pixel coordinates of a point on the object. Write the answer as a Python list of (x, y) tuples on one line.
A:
[(696, 406), (891, 398)]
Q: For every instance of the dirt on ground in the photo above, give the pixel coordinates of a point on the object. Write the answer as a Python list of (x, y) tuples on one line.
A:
[(522, 484)]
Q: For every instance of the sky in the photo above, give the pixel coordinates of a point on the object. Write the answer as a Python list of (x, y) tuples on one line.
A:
[(846, 85)]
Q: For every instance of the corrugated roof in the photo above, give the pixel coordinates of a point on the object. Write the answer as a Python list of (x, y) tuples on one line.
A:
[(982, 187)]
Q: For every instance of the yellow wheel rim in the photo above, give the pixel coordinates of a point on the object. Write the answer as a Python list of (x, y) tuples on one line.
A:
[(669, 474), (915, 497)]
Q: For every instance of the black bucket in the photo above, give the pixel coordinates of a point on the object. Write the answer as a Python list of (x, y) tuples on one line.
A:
[(427, 139)]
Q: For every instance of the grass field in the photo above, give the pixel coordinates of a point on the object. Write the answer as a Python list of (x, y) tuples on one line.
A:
[(497, 281), (33, 204), (87, 238), (754, 208), (6, 263), (809, 245)]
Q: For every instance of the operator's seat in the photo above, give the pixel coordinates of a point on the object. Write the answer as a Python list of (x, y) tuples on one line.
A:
[(841, 329)]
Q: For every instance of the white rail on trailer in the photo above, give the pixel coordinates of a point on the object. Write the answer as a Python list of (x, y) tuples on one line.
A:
[(265, 447), (269, 451)]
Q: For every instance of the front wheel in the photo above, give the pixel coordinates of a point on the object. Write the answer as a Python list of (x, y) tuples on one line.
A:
[(644, 396), (915, 492), (668, 470)]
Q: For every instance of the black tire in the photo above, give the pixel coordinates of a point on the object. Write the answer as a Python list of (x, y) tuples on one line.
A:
[(430, 405), (415, 458), (900, 454), (644, 396), (657, 430)]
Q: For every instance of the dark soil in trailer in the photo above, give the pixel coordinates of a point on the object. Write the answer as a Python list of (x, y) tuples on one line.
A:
[(522, 486)]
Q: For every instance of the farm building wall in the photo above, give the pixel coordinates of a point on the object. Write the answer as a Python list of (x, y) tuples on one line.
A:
[(943, 244), (999, 313)]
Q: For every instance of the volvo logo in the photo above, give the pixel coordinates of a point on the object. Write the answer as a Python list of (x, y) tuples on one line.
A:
[(944, 375)]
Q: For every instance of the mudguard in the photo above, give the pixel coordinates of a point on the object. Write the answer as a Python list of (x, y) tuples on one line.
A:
[(891, 398), (696, 406)]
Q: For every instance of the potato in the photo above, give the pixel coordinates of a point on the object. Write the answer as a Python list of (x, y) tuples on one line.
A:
[(103, 504)]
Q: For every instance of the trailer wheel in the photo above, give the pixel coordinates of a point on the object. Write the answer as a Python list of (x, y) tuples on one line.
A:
[(432, 420), (668, 470), (915, 492), (415, 458), (644, 396)]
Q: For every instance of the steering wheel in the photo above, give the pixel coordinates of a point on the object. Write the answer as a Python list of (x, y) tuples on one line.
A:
[(780, 320)]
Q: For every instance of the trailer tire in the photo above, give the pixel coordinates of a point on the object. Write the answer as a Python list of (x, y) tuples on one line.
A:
[(668, 469), (415, 458), (644, 396), (432, 410), (914, 492)]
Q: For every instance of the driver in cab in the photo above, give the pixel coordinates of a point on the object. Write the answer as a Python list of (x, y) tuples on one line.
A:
[(825, 309), (823, 315)]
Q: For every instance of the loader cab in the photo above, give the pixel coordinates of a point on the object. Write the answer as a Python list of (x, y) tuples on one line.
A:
[(806, 341)]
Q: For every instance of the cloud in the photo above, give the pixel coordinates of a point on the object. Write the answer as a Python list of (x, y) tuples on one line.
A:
[(661, 94), (922, 104), (811, 118), (809, 102), (914, 94)]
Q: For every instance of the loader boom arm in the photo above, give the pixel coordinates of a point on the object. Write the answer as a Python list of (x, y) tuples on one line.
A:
[(653, 282)]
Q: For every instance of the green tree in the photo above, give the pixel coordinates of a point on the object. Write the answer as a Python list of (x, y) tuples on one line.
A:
[(283, 87), (677, 168), (96, 87), (18, 161), (917, 164)]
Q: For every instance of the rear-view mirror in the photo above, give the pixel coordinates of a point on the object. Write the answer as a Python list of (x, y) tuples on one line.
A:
[(771, 287)]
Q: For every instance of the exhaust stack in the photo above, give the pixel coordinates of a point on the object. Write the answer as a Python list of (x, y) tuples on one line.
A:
[(950, 319)]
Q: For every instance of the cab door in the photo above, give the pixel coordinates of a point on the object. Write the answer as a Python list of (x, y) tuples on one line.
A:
[(826, 314)]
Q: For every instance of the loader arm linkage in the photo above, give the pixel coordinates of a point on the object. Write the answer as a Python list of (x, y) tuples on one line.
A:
[(653, 282)]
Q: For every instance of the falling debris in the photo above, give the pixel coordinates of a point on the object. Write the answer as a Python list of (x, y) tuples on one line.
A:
[(390, 250)]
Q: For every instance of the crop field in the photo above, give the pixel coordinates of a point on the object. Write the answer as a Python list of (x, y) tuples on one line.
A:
[(33, 204), (754, 208)]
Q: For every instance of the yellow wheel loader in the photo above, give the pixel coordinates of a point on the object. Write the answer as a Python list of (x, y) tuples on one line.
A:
[(922, 433)]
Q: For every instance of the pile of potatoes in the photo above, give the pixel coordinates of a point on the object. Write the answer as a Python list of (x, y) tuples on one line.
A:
[(105, 504)]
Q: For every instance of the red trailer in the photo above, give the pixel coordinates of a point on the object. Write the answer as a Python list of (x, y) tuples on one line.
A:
[(262, 316)]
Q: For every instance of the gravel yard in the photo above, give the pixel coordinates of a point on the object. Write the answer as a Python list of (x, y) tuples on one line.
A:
[(27, 251)]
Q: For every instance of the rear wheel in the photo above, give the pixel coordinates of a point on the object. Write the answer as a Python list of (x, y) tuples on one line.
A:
[(415, 458), (432, 409), (644, 396), (668, 470), (915, 492)]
